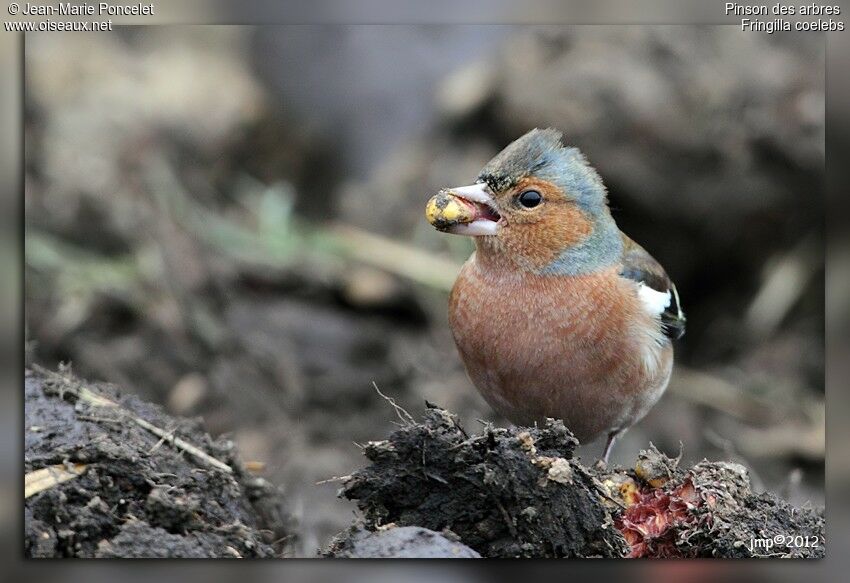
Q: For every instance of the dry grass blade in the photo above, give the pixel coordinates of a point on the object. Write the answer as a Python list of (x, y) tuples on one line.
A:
[(713, 391), (333, 479), (182, 444), (72, 387), (786, 279), (46, 478), (93, 398), (396, 257)]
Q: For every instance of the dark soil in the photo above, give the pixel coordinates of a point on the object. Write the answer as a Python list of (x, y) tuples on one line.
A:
[(520, 492), (432, 490), (498, 490), (139, 495)]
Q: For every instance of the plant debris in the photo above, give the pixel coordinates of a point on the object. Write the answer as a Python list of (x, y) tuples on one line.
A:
[(40, 480), (711, 511)]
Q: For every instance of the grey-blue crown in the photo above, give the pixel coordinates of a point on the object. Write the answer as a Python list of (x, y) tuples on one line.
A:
[(541, 153)]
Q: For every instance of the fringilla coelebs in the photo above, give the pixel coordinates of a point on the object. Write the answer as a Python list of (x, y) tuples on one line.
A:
[(557, 313)]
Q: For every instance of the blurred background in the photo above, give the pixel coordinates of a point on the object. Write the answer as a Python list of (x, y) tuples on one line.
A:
[(228, 221)]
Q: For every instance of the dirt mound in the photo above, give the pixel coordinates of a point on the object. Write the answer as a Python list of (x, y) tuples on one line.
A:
[(109, 475), (708, 511), (498, 490), (520, 492)]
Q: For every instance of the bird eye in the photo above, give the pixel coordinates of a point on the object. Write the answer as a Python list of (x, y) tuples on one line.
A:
[(530, 199)]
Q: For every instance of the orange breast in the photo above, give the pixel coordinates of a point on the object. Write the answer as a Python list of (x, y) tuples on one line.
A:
[(577, 348)]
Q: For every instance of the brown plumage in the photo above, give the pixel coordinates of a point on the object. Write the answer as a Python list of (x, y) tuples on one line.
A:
[(578, 348)]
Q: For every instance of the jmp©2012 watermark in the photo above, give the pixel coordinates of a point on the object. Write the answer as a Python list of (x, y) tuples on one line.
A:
[(784, 541)]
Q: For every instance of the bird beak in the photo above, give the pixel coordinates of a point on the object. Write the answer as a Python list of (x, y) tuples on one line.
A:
[(464, 210)]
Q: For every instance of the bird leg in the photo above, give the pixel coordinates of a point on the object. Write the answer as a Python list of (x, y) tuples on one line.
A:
[(609, 445)]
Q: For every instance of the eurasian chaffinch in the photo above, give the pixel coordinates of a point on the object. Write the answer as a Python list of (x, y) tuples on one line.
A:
[(557, 313)]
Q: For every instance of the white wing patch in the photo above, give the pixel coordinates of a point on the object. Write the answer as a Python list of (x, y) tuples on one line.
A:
[(654, 301)]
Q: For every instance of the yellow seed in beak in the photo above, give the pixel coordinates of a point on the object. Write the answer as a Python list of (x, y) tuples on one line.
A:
[(445, 210)]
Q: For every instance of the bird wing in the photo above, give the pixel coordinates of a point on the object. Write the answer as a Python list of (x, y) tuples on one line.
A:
[(656, 290)]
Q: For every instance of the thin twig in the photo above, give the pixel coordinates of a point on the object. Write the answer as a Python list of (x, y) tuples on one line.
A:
[(406, 418), (507, 517)]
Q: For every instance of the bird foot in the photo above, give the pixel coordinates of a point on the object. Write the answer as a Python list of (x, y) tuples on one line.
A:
[(601, 465)]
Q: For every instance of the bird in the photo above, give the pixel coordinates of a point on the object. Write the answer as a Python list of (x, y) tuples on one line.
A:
[(557, 313)]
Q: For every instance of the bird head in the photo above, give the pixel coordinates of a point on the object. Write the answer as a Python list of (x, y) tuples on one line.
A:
[(537, 205)]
